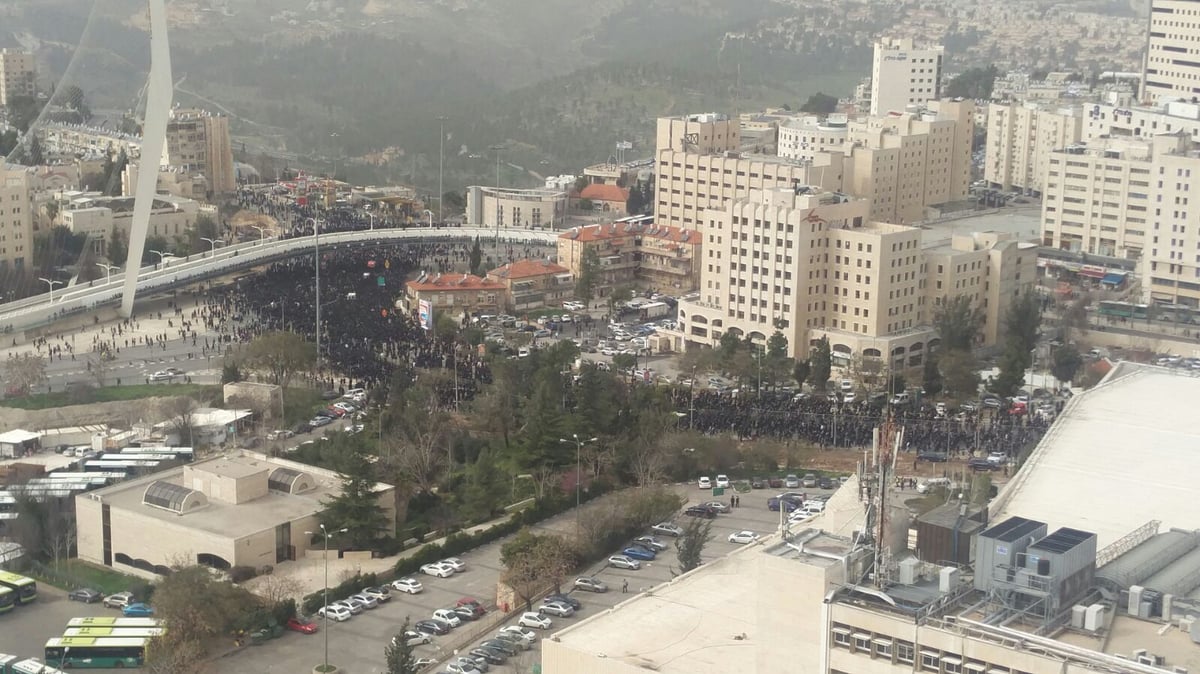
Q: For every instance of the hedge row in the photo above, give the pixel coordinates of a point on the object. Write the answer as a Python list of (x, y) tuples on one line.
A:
[(454, 544)]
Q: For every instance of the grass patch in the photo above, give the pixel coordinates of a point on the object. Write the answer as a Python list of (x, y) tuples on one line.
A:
[(42, 401), (75, 573)]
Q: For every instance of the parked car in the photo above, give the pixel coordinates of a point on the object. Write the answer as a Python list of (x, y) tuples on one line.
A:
[(355, 606), (119, 600), (700, 511), (743, 537), (590, 584), (825, 483), (462, 667), (86, 595), (493, 656), (650, 542), (138, 610), (502, 646), (465, 613), (477, 609), (667, 529), (335, 612), (455, 563), (448, 616), (809, 481), (791, 482), (758, 483), (437, 570), (776, 502), (280, 434), (723, 481), (302, 625), (719, 506), (776, 482), (980, 463), (638, 552), (516, 630), (434, 627), (623, 562), (409, 585), (535, 620), (564, 598), (704, 483), (513, 639), (557, 608), (932, 457), (365, 599), (319, 421)]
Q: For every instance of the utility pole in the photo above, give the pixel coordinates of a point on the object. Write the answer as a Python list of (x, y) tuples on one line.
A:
[(578, 473), (441, 167), (317, 262)]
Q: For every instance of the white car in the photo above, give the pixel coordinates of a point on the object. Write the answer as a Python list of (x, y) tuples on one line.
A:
[(623, 562), (723, 481), (558, 608), (409, 585), (334, 612), (651, 542), (415, 638), (437, 570), (801, 516), (448, 616), (454, 563), (704, 483), (743, 537), (536, 620), (667, 529), (528, 637), (462, 667)]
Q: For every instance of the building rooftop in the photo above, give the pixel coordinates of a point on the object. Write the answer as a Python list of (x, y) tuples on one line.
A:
[(1131, 435), (1023, 223), (225, 519), (528, 268), (452, 282), (602, 192)]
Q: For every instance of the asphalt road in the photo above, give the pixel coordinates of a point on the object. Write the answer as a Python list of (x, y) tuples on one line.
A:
[(24, 631)]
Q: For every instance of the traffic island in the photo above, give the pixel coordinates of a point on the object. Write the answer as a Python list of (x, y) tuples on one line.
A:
[(325, 669)]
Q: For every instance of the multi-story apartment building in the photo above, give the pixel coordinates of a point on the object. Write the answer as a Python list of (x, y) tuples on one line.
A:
[(77, 140), (649, 256), (533, 284), (904, 74), (16, 220), (455, 293), (813, 264), (18, 75), (1020, 137), (1098, 195), (903, 162), (102, 218), (1119, 119), (1172, 55), (804, 137), (500, 207), (199, 141)]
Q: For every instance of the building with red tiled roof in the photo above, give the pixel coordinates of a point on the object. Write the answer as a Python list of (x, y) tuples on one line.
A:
[(533, 284), (646, 255), (607, 198), (453, 292)]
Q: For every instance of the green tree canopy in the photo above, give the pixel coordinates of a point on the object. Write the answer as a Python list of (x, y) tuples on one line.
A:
[(280, 355), (356, 508), (820, 103), (958, 322), (1067, 362), (973, 83), (820, 364)]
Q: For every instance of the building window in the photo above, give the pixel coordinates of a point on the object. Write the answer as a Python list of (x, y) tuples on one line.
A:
[(841, 637), (862, 642), (883, 648), (904, 652), (952, 666), (930, 661)]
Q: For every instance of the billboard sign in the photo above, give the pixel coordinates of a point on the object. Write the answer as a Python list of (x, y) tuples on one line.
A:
[(425, 314)]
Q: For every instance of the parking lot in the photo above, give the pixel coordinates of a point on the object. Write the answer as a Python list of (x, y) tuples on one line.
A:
[(25, 629)]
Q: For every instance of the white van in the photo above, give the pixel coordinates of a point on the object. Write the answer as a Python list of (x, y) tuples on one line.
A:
[(925, 486)]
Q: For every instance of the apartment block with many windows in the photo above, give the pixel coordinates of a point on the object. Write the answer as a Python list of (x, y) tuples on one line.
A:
[(199, 140), (1020, 137), (16, 220), (644, 255), (18, 75), (904, 73), (1172, 52)]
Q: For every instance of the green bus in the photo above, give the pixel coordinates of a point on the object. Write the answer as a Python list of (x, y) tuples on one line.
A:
[(96, 652), (145, 632), (109, 621), (26, 588), (8, 599), (15, 664)]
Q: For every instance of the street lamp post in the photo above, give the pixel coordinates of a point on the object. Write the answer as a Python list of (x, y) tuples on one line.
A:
[(430, 214), (51, 284), (498, 149), (372, 217), (317, 262), (441, 165), (326, 534), (108, 269), (578, 476), (162, 257), (213, 243), (262, 233)]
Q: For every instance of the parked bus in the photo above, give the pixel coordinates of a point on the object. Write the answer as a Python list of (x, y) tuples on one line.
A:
[(25, 588), (96, 652), (144, 632), (8, 599), (110, 621), (15, 664)]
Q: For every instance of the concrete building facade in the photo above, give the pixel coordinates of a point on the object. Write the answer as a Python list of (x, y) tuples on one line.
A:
[(455, 293), (247, 509), (812, 264), (803, 138), (649, 256), (503, 207), (199, 141), (78, 140), (1172, 55), (16, 220), (18, 75), (102, 218), (1020, 137), (904, 74)]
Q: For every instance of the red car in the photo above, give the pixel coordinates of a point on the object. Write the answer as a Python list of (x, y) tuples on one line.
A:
[(473, 604), (336, 411), (302, 625)]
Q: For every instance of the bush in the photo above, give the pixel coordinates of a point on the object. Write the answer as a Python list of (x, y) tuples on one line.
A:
[(241, 574)]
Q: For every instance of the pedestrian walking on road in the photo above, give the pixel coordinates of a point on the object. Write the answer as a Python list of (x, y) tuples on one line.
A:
[(625, 586)]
